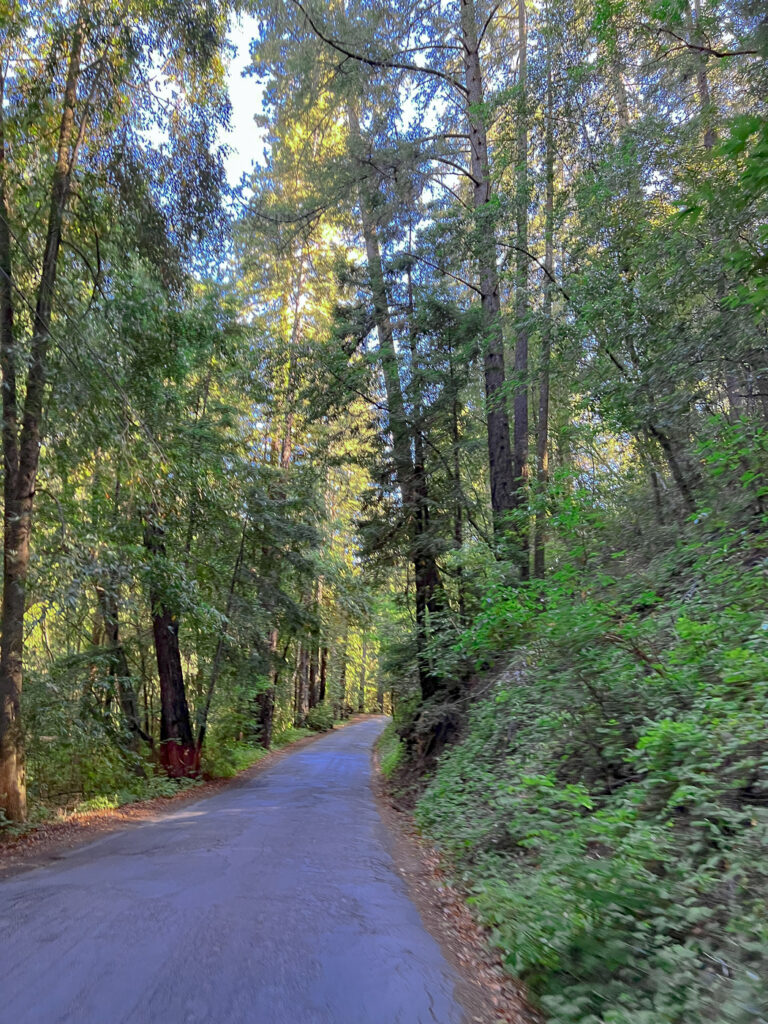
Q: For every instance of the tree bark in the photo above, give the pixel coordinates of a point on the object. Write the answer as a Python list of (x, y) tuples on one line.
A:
[(323, 674), (312, 697), (287, 440), (702, 79), (406, 444), (343, 713), (179, 754), (361, 691), (21, 453), (458, 493), (499, 453), (542, 436), (118, 665), (520, 455), (301, 695), (217, 658)]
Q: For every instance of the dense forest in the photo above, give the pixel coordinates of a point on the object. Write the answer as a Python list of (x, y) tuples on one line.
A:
[(456, 408)]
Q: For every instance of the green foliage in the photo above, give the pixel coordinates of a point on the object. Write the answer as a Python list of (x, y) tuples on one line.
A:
[(290, 735), (320, 717), (607, 806), (391, 751), (225, 760), (140, 789)]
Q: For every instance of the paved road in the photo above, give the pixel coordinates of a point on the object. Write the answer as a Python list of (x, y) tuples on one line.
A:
[(273, 903)]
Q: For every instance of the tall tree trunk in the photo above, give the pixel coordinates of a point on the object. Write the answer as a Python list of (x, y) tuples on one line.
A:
[(427, 581), (702, 79), (265, 700), (312, 698), (217, 658), (302, 687), (542, 437), (314, 659), (410, 475), (323, 683), (118, 664), (361, 691), (681, 473), (21, 453), (520, 455), (499, 453), (179, 753), (458, 493), (343, 674), (286, 446)]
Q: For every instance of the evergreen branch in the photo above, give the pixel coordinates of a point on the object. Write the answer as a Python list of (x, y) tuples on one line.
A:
[(374, 62)]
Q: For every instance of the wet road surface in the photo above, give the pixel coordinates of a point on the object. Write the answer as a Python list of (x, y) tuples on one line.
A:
[(272, 903)]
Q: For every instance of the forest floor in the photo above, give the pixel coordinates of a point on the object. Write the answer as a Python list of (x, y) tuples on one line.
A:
[(49, 840)]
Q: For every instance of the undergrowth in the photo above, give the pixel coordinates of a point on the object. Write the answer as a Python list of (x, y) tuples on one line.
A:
[(391, 751), (608, 803), (78, 774)]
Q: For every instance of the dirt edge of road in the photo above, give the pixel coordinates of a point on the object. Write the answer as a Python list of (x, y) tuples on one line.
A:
[(52, 840), (487, 992)]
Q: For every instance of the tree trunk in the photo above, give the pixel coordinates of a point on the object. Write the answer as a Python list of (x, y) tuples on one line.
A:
[(427, 581), (217, 658), (520, 456), (361, 692), (312, 697), (118, 665), (406, 444), (343, 674), (265, 704), (265, 701), (676, 462), (179, 754), (458, 493), (287, 440), (702, 80), (301, 691), (21, 453), (542, 436), (323, 674), (499, 453)]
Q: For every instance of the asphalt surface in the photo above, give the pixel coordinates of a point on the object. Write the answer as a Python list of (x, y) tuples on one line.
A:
[(273, 903)]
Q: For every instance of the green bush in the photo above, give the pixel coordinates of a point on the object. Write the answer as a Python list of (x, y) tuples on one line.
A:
[(608, 806), (225, 760), (320, 718), (391, 751)]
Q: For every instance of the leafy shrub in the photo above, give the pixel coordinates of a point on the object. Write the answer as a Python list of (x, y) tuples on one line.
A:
[(225, 760), (391, 751), (289, 735), (320, 718), (608, 806)]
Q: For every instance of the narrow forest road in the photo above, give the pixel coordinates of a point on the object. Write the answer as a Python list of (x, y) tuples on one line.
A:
[(272, 903)]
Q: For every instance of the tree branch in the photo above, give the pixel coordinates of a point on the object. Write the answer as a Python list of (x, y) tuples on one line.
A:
[(375, 62)]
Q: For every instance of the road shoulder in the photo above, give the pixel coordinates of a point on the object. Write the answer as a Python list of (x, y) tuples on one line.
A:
[(486, 991)]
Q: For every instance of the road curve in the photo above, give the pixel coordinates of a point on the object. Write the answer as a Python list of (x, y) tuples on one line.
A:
[(272, 903)]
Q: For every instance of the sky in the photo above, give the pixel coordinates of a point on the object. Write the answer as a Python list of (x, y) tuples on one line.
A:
[(245, 140)]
